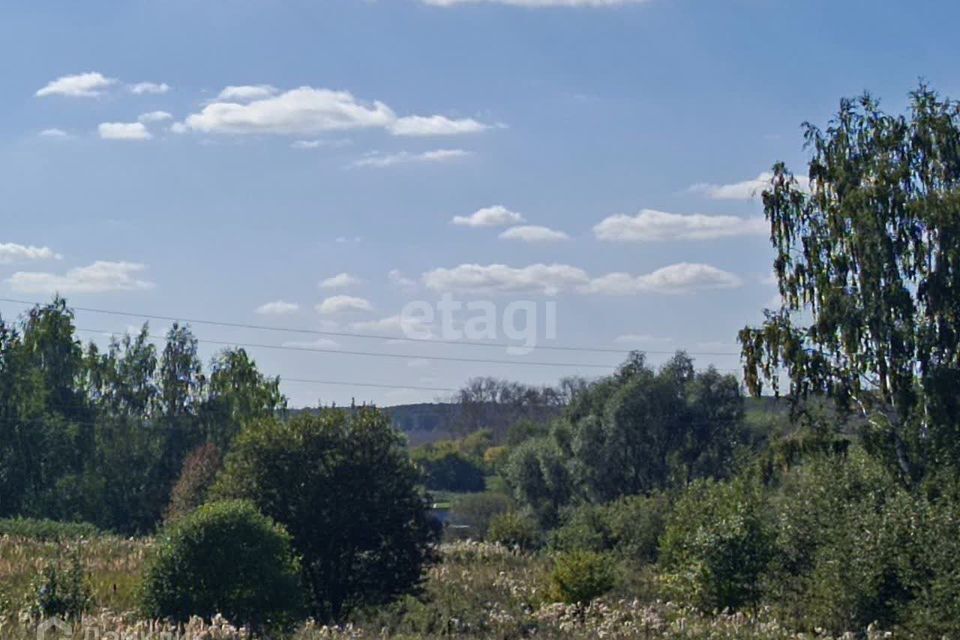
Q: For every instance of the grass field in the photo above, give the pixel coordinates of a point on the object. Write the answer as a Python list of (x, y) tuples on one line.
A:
[(479, 590)]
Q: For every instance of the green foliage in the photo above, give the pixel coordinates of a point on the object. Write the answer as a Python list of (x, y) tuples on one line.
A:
[(515, 530), (869, 256), (448, 470), (199, 472), (46, 530), (63, 589), (476, 511), (633, 433), (343, 485), (631, 526), (717, 545), (226, 558), (581, 576)]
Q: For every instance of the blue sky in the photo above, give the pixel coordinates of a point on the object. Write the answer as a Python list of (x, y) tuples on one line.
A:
[(614, 146)]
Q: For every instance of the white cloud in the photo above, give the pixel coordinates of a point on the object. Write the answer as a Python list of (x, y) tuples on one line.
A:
[(243, 93), (154, 116), (495, 216), (384, 160), (307, 110), (435, 126), (396, 277), (54, 133), (340, 281), (343, 304), (537, 4), (398, 326), (316, 144), (650, 226), (277, 308), (152, 88), (12, 252), (683, 277), (99, 277), (498, 278), (745, 190), (533, 233), (85, 85), (123, 131)]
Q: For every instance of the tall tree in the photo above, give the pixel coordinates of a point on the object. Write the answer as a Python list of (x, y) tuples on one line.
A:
[(868, 268)]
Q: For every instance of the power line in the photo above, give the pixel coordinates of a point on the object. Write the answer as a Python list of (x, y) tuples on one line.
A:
[(347, 334), (374, 354)]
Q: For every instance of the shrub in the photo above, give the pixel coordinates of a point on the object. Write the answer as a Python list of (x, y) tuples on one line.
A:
[(196, 477), (46, 530), (446, 470), (343, 485), (717, 545), (514, 529), (224, 558), (631, 526), (581, 576), (476, 510), (63, 591)]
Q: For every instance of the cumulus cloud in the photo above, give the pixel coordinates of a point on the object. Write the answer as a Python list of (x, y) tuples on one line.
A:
[(396, 326), (277, 308), (537, 4), (149, 88), (123, 131), (243, 93), (495, 216), (651, 226), (261, 109), (533, 233), (435, 126), (340, 281), (383, 160), (395, 276), (54, 133), (154, 116), (684, 277), (553, 279), (85, 85), (548, 279), (99, 277), (745, 190), (11, 252), (343, 304)]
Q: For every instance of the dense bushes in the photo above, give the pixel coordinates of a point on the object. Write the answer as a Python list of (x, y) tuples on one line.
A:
[(449, 471), (46, 529), (224, 558), (343, 485), (717, 545), (631, 526), (514, 529), (63, 588), (581, 576)]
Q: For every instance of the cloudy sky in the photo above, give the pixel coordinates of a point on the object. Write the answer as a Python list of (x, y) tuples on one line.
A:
[(318, 165)]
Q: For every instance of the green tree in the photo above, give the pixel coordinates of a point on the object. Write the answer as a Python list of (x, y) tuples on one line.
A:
[(870, 257), (343, 484)]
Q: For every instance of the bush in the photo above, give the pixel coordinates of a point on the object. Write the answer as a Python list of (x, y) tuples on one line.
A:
[(581, 576), (475, 511), (343, 485), (196, 477), (631, 526), (63, 591), (446, 470), (224, 558), (717, 545), (515, 530), (46, 530)]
